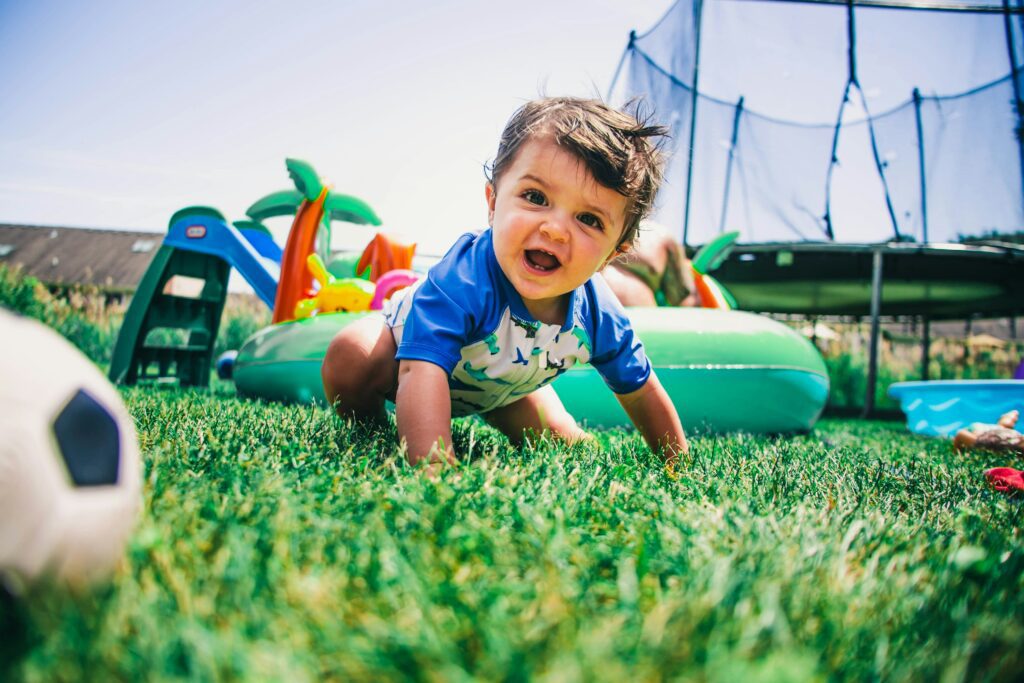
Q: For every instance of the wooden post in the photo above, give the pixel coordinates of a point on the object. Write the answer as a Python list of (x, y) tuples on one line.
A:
[(876, 305), (926, 342)]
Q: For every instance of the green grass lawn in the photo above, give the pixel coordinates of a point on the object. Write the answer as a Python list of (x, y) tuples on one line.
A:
[(279, 543)]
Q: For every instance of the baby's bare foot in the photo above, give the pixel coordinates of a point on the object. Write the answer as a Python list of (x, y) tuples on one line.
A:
[(963, 440), (1009, 420)]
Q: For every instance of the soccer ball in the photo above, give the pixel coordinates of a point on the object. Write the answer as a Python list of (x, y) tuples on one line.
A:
[(70, 480)]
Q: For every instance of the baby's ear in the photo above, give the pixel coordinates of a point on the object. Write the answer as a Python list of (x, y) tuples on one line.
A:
[(491, 194), (619, 251)]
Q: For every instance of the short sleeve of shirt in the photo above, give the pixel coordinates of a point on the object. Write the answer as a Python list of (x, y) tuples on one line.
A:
[(619, 355), (443, 310)]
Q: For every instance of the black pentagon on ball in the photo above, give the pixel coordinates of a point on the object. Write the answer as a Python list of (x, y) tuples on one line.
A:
[(89, 441)]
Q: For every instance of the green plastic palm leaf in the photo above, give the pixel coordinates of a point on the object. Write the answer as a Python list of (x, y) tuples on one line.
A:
[(344, 207), (282, 203), (714, 252), (305, 178), (337, 207)]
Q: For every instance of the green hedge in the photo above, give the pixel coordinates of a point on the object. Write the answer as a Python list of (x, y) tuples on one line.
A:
[(82, 316)]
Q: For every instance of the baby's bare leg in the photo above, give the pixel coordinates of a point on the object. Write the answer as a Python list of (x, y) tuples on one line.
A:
[(660, 263), (360, 370), (1009, 420), (964, 440), (677, 281), (539, 412), (628, 288)]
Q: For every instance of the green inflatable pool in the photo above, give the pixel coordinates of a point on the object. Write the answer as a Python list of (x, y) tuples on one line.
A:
[(725, 370)]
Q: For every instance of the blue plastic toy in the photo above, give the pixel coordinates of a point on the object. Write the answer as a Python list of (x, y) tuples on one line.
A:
[(226, 364), (210, 235), (943, 407)]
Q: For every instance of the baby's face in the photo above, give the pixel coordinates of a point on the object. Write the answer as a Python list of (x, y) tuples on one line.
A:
[(554, 225)]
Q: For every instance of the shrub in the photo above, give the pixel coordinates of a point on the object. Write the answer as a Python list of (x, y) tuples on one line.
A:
[(899, 360), (242, 317), (81, 315)]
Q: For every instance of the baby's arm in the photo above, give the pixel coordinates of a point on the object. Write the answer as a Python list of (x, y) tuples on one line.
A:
[(423, 412), (652, 412)]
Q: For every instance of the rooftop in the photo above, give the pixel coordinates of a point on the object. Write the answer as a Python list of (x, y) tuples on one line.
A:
[(113, 260)]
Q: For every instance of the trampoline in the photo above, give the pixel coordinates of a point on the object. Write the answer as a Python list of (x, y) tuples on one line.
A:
[(855, 145), (935, 281)]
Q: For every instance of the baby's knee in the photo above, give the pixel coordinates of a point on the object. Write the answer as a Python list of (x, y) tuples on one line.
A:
[(357, 363), (558, 422), (343, 358)]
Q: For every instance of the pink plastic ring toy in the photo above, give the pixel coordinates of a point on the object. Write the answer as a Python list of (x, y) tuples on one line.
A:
[(389, 283)]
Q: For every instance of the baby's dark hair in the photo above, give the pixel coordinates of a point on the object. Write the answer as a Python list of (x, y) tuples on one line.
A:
[(622, 153)]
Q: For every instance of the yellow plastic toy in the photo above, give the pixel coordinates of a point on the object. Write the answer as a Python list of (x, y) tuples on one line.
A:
[(349, 294)]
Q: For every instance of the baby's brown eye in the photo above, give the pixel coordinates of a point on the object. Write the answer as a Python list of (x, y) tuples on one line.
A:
[(591, 220), (534, 197)]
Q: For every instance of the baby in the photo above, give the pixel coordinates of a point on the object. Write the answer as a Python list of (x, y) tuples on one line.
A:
[(508, 310)]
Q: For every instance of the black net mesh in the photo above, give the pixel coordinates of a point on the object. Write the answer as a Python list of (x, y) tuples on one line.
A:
[(671, 103), (790, 63), (774, 160), (972, 163), (941, 53)]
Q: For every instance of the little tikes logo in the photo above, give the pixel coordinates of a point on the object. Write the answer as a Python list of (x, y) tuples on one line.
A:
[(195, 232)]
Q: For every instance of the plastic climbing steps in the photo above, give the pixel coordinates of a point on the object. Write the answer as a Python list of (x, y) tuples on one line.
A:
[(172, 322)]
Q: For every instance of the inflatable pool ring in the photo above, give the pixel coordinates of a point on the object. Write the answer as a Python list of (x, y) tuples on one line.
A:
[(724, 370), (389, 283)]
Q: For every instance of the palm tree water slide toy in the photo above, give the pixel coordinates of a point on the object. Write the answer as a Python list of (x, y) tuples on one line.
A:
[(710, 360), (172, 322)]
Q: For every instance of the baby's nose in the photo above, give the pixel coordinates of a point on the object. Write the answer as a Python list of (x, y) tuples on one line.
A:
[(555, 229)]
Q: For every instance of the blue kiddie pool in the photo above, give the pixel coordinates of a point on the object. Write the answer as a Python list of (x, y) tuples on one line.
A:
[(943, 407)]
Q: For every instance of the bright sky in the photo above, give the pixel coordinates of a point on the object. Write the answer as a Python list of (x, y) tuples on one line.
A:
[(115, 114)]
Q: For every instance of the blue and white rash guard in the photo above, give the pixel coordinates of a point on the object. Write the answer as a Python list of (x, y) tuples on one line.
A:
[(466, 317)]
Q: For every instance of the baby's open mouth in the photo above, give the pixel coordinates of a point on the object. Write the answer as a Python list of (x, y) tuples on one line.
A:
[(542, 260)]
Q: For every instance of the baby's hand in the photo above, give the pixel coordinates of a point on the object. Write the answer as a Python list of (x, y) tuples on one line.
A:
[(433, 471), (423, 412)]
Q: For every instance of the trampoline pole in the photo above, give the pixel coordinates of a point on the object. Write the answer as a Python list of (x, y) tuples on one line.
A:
[(1015, 78), (728, 164), (698, 10), (920, 167), (851, 80), (876, 304), (926, 342)]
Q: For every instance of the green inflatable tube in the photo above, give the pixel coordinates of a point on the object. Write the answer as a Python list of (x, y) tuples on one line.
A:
[(724, 370)]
